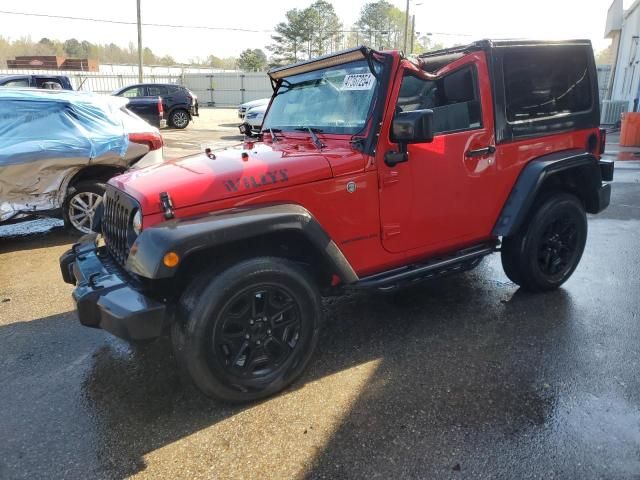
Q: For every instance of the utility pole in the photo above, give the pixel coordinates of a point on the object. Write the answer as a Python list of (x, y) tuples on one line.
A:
[(413, 30), (140, 44), (406, 27)]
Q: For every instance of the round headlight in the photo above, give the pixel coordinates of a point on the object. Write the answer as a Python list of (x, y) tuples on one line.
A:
[(137, 222)]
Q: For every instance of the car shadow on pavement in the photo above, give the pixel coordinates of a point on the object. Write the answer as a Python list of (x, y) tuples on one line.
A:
[(53, 237), (238, 138), (467, 383), (457, 360)]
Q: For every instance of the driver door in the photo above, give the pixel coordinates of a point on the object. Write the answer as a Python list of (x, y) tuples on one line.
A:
[(442, 196)]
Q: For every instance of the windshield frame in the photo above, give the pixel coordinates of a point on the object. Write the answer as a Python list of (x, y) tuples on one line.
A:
[(375, 67)]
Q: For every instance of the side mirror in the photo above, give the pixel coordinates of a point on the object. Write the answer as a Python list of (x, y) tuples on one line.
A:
[(413, 127), (406, 128)]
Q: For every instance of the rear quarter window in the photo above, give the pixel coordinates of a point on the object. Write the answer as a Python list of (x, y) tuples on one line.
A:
[(15, 83), (157, 91), (546, 83)]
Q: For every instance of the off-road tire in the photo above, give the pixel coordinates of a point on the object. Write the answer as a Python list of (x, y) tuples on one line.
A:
[(208, 314), (179, 118), (547, 249), (83, 190)]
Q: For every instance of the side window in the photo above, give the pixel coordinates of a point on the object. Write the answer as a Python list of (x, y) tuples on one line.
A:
[(134, 92), (542, 83), (453, 98), (16, 83), (48, 83), (157, 91)]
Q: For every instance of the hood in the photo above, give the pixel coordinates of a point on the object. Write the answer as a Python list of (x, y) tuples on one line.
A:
[(259, 109), (234, 172), (255, 103)]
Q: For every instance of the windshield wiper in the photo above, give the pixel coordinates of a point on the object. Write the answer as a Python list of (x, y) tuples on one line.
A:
[(312, 131), (273, 131)]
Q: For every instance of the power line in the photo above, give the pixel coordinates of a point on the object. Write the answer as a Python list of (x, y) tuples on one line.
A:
[(122, 22), (200, 27)]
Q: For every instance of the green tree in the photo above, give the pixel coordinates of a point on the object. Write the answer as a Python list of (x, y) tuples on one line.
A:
[(424, 43), (148, 58), (306, 33), (380, 25), (324, 28), (290, 39), (252, 60), (73, 48)]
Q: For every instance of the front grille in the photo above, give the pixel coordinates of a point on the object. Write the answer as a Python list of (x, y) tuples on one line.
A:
[(116, 223)]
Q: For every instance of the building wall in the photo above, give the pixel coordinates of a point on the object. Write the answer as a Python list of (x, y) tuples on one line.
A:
[(626, 82)]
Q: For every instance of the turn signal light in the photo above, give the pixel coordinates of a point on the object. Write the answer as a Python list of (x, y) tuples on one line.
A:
[(171, 259)]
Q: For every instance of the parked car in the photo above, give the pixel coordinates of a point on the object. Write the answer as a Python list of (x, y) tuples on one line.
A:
[(375, 171), (50, 82), (179, 104), (253, 121), (242, 109), (59, 148), (150, 109)]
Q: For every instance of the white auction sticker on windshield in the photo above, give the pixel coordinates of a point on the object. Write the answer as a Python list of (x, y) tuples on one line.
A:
[(358, 81)]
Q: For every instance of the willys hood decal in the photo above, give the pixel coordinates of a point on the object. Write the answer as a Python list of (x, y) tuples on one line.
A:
[(223, 174)]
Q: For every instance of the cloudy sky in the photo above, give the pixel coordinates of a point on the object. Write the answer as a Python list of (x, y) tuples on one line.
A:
[(452, 21)]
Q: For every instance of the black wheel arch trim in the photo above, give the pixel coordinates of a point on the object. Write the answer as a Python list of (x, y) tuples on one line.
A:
[(536, 172), (191, 235)]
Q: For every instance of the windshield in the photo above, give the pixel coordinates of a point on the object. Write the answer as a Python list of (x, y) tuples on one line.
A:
[(331, 100)]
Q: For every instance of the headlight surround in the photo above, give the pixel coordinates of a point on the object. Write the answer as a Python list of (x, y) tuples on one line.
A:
[(136, 223)]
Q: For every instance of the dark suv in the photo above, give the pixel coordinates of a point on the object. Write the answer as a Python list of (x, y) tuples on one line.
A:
[(180, 105)]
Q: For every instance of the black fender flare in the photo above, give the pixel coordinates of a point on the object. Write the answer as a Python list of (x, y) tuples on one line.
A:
[(591, 171), (185, 237)]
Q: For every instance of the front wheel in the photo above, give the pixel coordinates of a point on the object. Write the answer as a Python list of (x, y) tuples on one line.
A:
[(179, 118), (249, 331), (546, 252)]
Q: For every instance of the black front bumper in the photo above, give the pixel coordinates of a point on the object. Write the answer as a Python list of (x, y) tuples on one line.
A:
[(604, 197), (106, 298)]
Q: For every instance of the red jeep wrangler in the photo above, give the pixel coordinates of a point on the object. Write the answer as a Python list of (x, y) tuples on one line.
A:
[(374, 171)]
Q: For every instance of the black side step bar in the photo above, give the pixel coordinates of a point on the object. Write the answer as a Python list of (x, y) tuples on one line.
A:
[(436, 267)]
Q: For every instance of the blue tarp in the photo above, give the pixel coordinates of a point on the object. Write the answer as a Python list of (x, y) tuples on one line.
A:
[(42, 124)]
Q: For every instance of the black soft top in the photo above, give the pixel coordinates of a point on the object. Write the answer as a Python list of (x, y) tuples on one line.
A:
[(439, 58)]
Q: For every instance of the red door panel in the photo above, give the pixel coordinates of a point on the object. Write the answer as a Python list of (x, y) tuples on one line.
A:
[(441, 196)]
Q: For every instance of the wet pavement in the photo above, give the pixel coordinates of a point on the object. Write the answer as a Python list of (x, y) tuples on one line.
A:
[(464, 378)]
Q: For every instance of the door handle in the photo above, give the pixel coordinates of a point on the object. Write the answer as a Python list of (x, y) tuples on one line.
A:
[(481, 151)]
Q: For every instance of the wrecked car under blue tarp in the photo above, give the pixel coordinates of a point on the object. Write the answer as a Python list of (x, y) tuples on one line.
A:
[(46, 136)]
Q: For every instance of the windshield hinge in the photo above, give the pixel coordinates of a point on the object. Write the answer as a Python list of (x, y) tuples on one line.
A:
[(167, 205)]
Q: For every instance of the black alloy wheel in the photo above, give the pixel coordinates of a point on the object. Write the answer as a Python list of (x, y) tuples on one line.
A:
[(247, 331), (558, 246), (545, 252), (258, 331)]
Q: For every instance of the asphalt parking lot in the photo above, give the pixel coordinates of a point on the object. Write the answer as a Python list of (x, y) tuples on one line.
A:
[(214, 127), (465, 378)]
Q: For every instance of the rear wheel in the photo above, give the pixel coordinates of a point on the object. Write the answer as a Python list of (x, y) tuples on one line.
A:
[(249, 331), (546, 252), (179, 118), (80, 205)]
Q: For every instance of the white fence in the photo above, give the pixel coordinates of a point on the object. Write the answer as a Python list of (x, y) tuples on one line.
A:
[(228, 89), (223, 89), (612, 110)]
